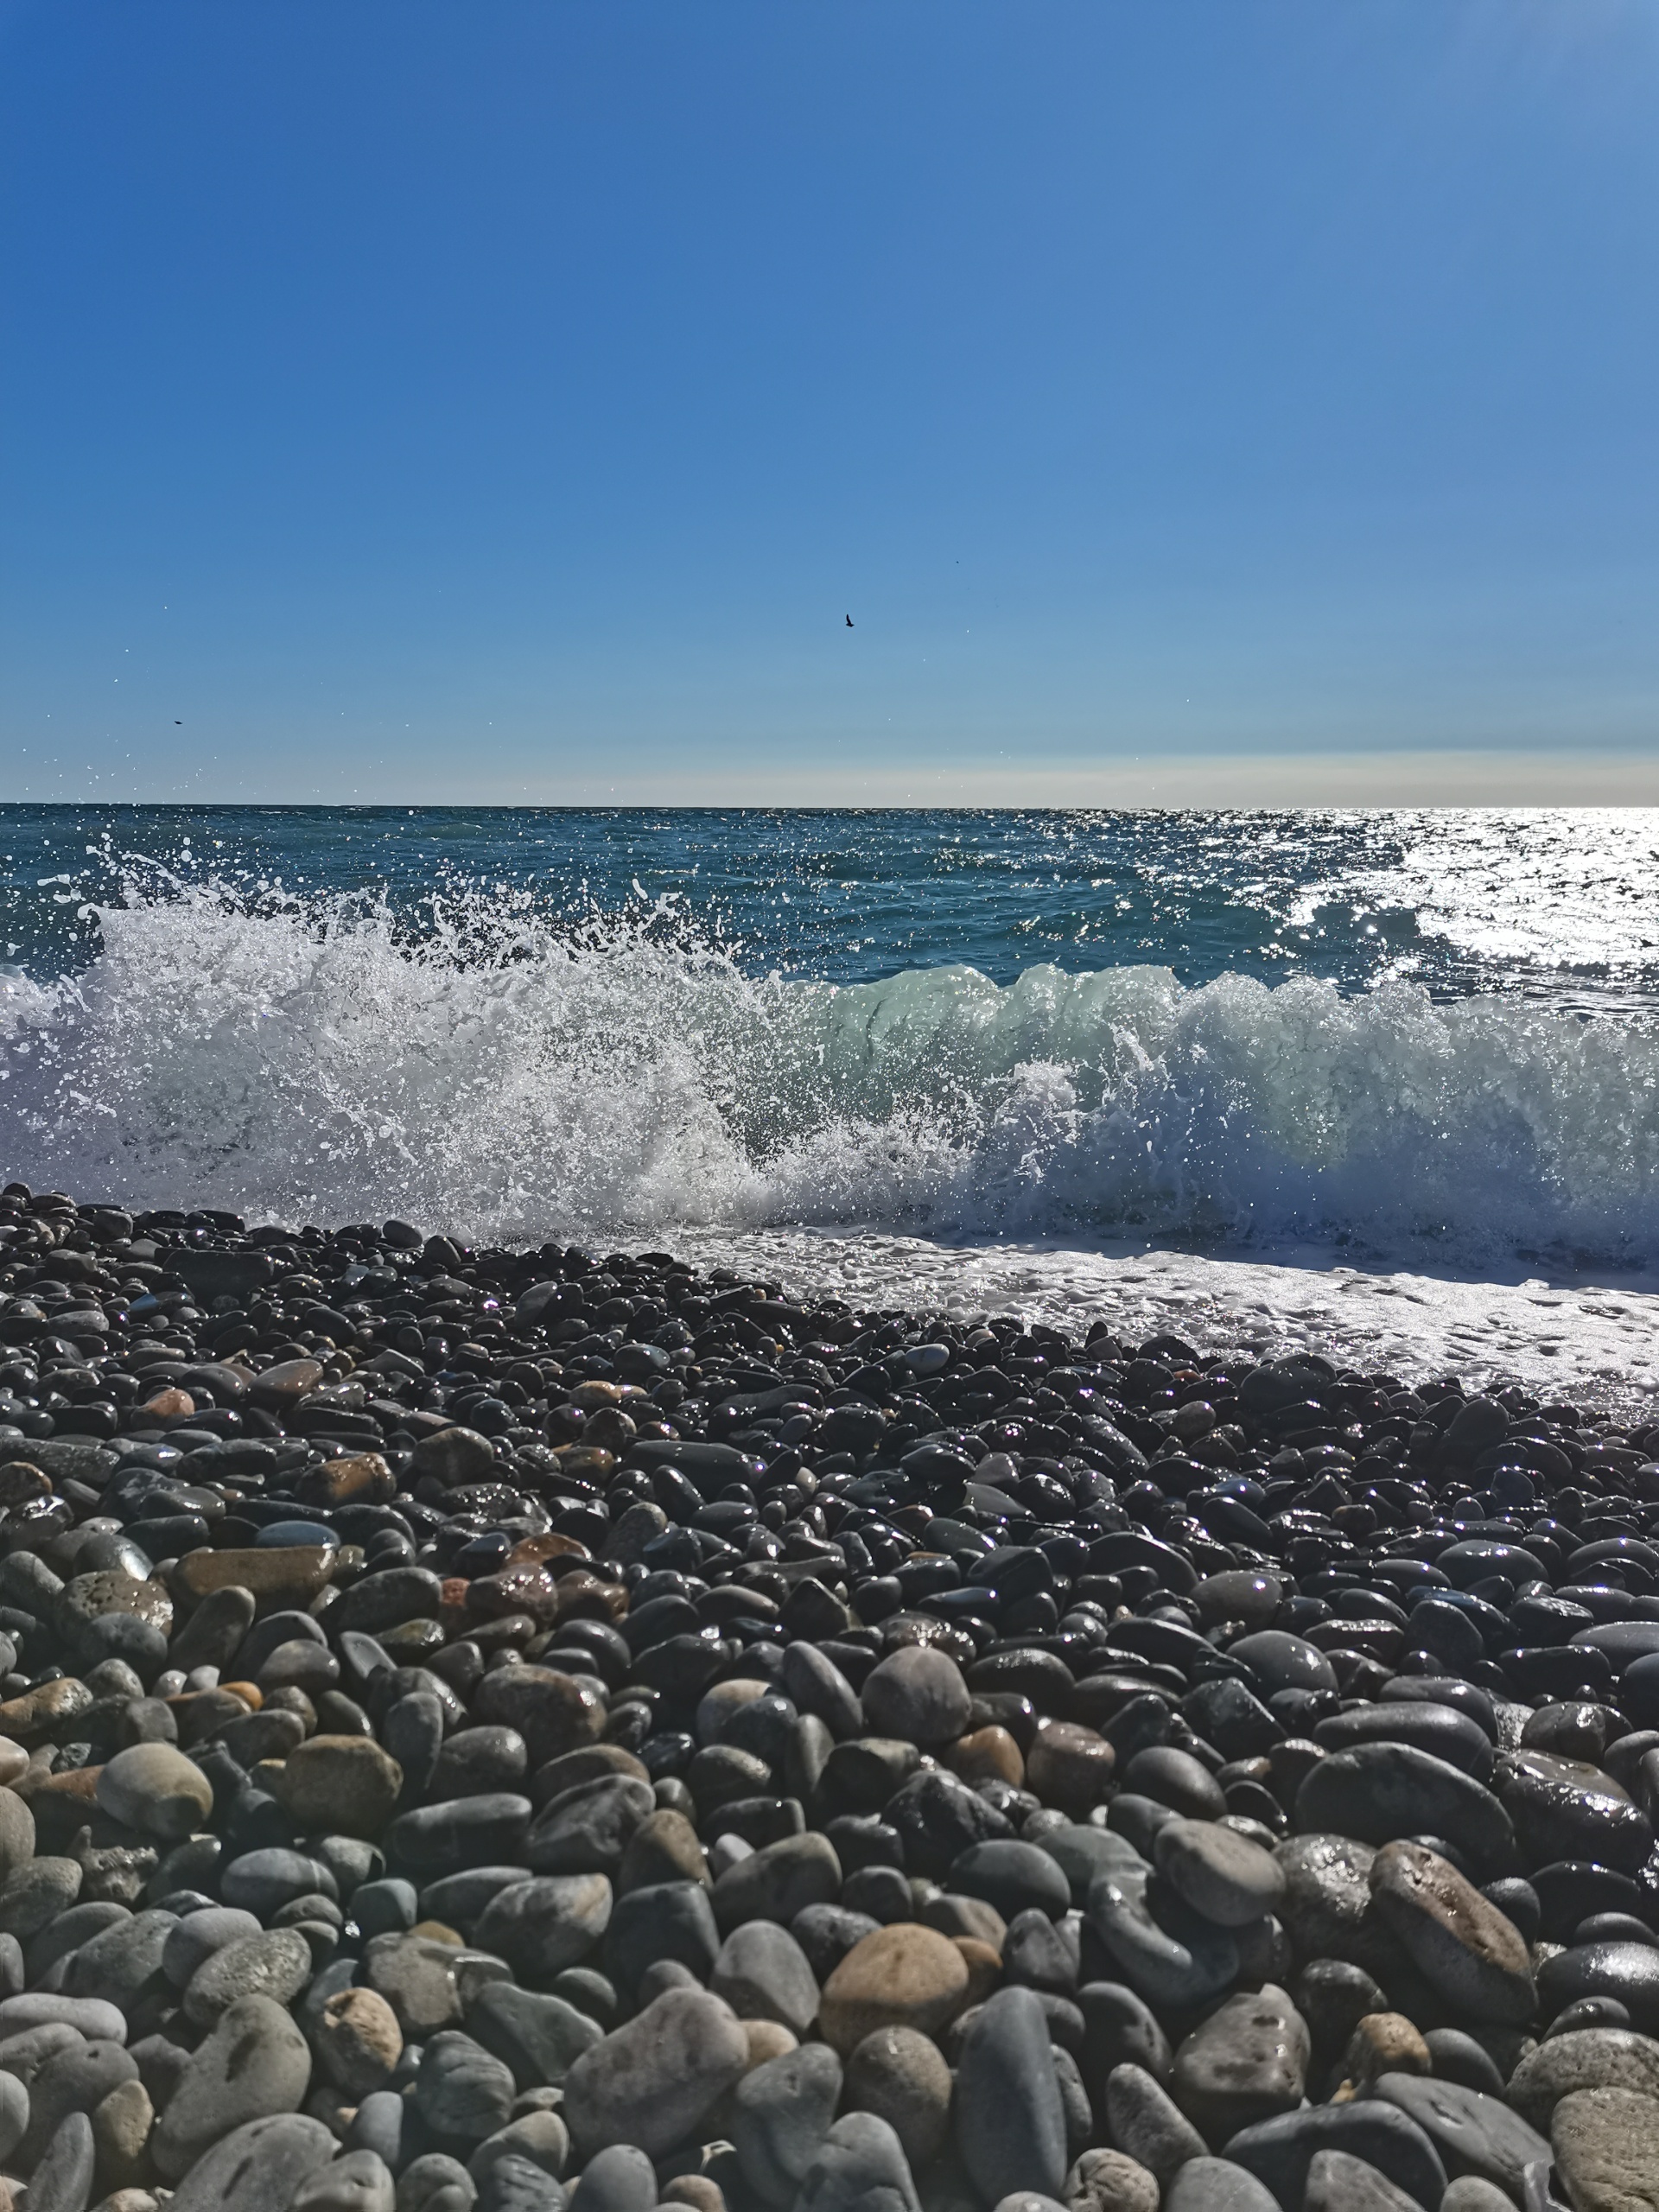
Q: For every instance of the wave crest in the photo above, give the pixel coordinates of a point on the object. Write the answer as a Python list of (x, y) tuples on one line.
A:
[(506, 1075)]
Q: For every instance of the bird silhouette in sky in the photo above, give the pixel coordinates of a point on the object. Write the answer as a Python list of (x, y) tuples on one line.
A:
[(849, 621)]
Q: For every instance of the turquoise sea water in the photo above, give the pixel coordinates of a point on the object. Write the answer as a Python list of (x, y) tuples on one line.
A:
[(1421, 1036)]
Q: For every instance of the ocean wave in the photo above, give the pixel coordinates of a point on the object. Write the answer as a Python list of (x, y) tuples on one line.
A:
[(508, 1075)]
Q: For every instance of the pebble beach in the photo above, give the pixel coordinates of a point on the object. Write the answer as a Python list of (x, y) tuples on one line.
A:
[(543, 1728)]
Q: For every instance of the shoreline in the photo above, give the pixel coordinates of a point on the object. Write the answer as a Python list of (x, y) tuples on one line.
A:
[(476, 1722)]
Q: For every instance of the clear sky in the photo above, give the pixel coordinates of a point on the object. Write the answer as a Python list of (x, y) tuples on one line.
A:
[(402, 401)]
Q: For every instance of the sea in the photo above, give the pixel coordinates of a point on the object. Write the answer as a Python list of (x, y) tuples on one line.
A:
[(1383, 1084)]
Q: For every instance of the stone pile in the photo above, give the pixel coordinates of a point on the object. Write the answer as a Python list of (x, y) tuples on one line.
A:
[(520, 1730)]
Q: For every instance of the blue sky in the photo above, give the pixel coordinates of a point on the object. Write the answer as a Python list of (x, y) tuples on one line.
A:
[(414, 402)]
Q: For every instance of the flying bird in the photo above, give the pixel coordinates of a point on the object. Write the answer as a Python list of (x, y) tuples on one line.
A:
[(849, 621)]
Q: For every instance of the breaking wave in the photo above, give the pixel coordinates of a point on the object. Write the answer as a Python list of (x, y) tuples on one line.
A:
[(502, 1073)]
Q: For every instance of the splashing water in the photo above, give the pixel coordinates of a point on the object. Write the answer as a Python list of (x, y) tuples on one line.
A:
[(508, 1073)]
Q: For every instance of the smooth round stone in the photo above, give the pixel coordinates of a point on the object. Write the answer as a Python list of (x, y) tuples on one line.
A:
[(257, 2167), (1563, 1809), (900, 2075), (1144, 2121), (347, 1784), (1013, 1877), (587, 1830), (154, 1789), (14, 2115), (1010, 2122), (486, 1830), (276, 1963), (360, 2181), (653, 2080), (1447, 1690), (1174, 1958), (1279, 1660), (669, 1920), (1455, 2056), (619, 2180), (38, 2008), (277, 1535), (1622, 1641), (1378, 1791), (261, 1882), (547, 1923), (254, 2064), (1626, 1972), (199, 1935), (778, 1881), (1588, 2058), (1216, 2185), (1472, 2133), (74, 2080), (1604, 2144), (859, 2163), (475, 1761), (1238, 1594), (463, 2092), (1437, 1729), (357, 2041), (1245, 2062), (903, 1976), (1175, 1778), (62, 2181), (1338, 2182), (781, 2113), (1279, 2152), (539, 2035), (1221, 1874), (1463, 1946), (917, 1695), (762, 1974)]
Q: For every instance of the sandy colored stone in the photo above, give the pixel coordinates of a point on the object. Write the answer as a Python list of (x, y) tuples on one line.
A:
[(346, 1784), (1606, 2144), (1070, 1766), (283, 1575), (1383, 2043), (903, 1976), (357, 2041)]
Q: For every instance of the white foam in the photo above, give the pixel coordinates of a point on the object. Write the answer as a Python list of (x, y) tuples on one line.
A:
[(508, 1079), (1588, 1346)]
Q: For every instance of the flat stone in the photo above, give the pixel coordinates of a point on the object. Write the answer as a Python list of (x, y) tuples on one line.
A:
[(443, 1839), (1474, 2134), (1279, 2152), (1221, 1875), (1244, 2063), (903, 1976), (1606, 2144), (37, 2008), (1010, 2123), (261, 1882), (1585, 2059), (547, 1923), (1459, 1941), (254, 2064), (1338, 2182), (654, 2079), (156, 1789), (781, 2113)]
